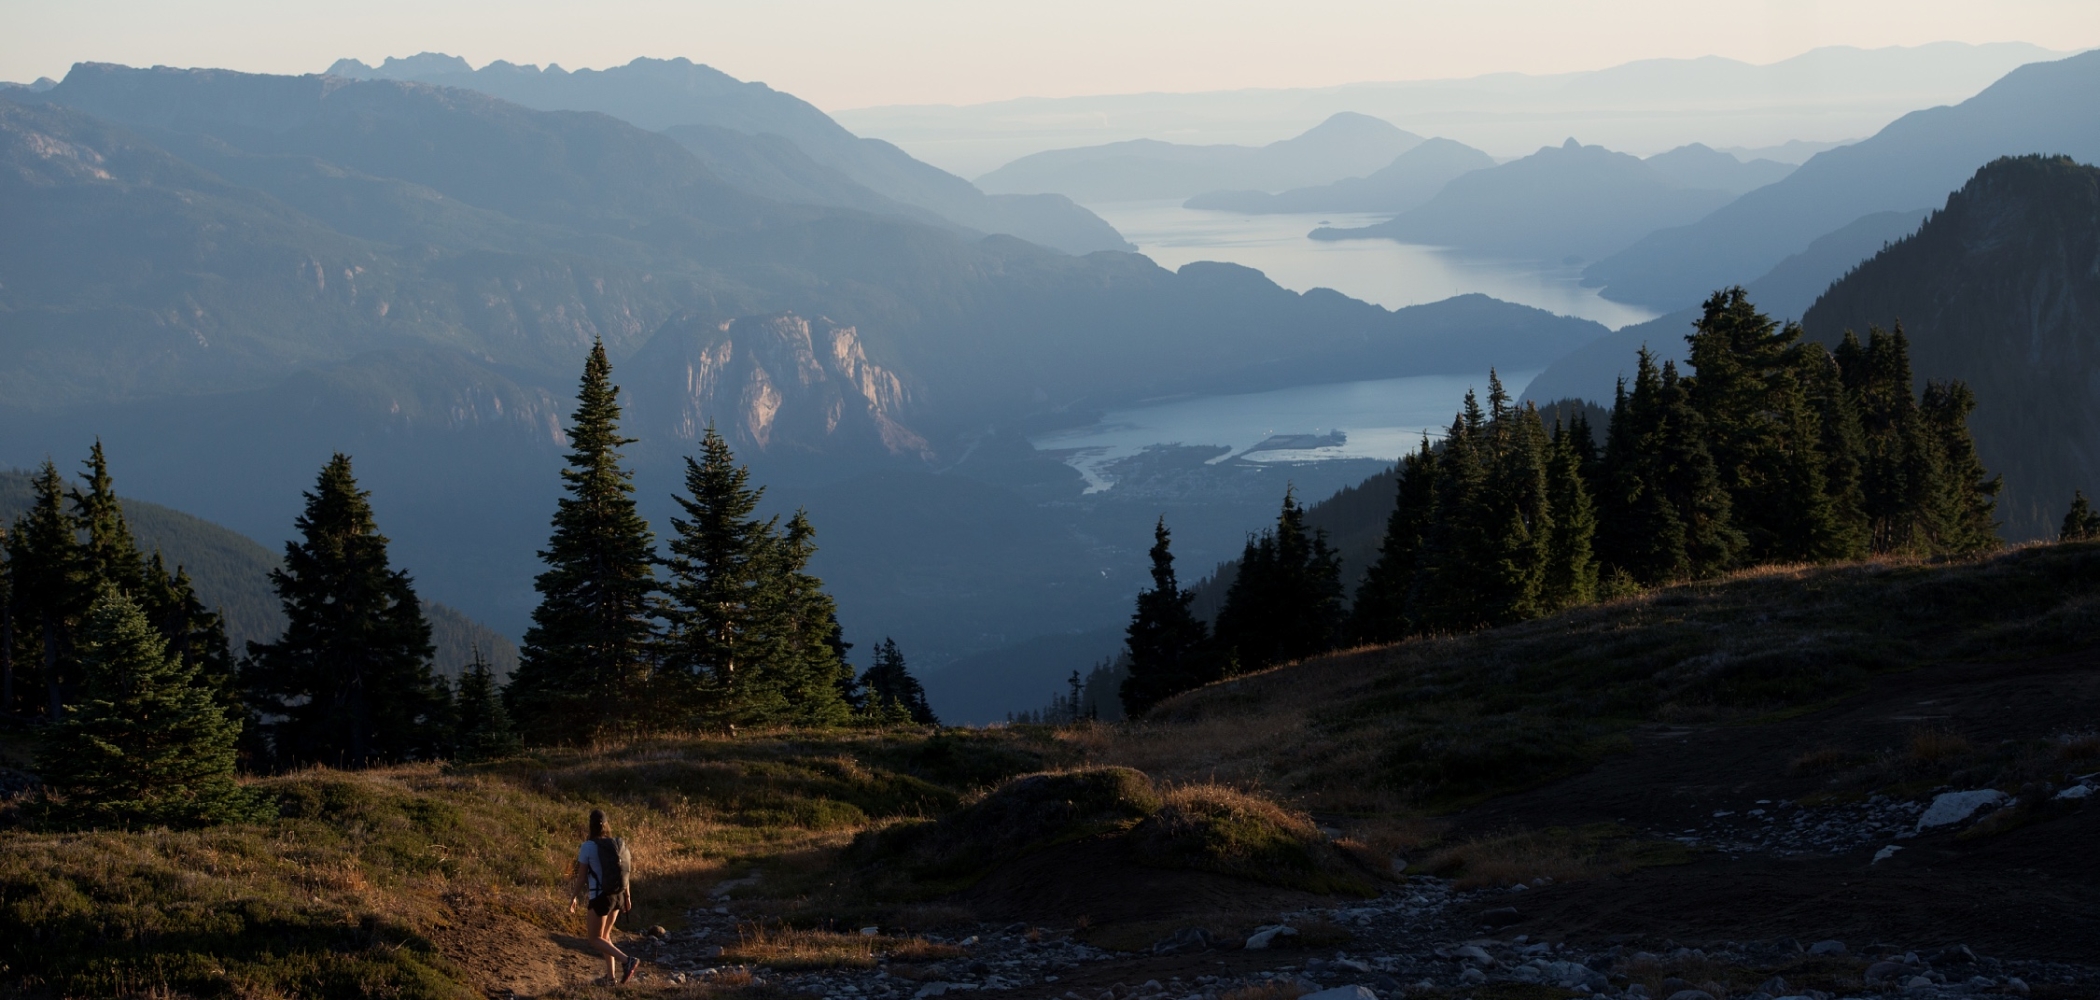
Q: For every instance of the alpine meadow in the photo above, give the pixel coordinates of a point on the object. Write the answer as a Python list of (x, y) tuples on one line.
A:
[(1078, 504)]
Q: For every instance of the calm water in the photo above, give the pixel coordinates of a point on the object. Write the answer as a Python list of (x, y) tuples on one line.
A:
[(1381, 271), (1379, 419)]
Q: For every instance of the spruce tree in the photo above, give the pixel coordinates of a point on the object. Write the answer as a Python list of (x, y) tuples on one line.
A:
[(350, 677), (804, 653), (1285, 603), (715, 644), (111, 555), (2081, 523), (1384, 607), (1664, 514), (1452, 582), (145, 743), (586, 666), (484, 729), (1516, 515), (1570, 577), (1165, 639), (7, 627), (1712, 542), (51, 587), (894, 695), (1967, 495), (1901, 469), (1842, 446)]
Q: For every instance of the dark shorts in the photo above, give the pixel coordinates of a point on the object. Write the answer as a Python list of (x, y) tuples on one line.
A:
[(602, 905)]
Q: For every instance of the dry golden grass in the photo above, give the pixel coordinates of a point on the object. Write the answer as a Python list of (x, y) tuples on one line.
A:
[(1557, 854), (1274, 989), (1822, 760), (1933, 746), (783, 947)]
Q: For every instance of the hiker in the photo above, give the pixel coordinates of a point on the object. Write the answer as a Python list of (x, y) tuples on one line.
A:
[(601, 870)]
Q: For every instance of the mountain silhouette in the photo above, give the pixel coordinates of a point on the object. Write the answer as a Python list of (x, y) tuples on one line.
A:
[(1567, 201), (697, 104), (1411, 179), (2051, 107), (1345, 145)]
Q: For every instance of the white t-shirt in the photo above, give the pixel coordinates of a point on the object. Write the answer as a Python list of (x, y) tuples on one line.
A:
[(587, 856)]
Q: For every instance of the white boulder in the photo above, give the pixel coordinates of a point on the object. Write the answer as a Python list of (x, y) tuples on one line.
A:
[(1949, 808)]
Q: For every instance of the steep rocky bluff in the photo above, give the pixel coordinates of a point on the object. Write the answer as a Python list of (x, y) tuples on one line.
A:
[(772, 383), (2001, 288)]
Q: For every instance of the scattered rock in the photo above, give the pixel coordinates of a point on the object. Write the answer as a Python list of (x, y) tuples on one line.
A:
[(1265, 937), (1400, 865), (2016, 984), (1827, 948), (1472, 977), (870, 931), (1887, 970), (1343, 993), (1917, 983), (1501, 916), (1691, 995), (1884, 854), (931, 990), (657, 931), (1949, 808), (1475, 954), (2075, 792), (1184, 941)]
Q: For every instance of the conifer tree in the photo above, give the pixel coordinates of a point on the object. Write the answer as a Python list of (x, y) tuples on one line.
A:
[(1967, 495), (804, 651), (2081, 523), (1165, 639), (587, 664), (719, 552), (7, 627), (894, 695), (484, 730), (111, 555), (1452, 578), (351, 675), (51, 586), (145, 743), (1664, 515), (1516, 515), (1570, 577), (1843, 449), (1384, 607), (1901, 471), (1286, 601)]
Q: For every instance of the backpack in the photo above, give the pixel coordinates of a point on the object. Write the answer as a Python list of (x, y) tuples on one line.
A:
[(615, 867)]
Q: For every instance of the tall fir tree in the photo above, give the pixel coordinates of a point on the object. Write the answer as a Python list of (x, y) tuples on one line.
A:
[(1384, 607), (1285, 603), (1842, 446), (146, 743), (1452, 582), (1664, 514), (894, 695), (350, 678), (52, 587), (111, 554), (484, 729), (1967, 494), (2081, 522), (804, 652), (7, 626), (1516, 514), (1167, 643), (1901, 468), (587, 665), (1570, 577), (720, 554)]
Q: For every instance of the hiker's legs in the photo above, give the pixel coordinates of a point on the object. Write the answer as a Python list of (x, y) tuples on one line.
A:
[(601, 942)]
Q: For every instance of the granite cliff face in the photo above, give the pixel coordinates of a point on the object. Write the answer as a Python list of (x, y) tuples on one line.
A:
[(774, 383)]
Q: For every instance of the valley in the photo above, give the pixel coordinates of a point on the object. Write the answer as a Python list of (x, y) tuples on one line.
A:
[(1622, 532)]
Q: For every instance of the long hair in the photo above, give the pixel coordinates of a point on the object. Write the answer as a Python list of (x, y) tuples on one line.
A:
[(597, 823)]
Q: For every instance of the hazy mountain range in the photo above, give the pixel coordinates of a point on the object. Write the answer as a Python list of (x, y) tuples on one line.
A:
[(1412, 178), (1345, 145), (1826, 94), (1912, 164), (229, 276), (1566, 201), (730, 123)]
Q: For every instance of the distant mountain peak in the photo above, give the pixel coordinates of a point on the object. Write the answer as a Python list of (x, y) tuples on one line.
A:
[(1571, 144)]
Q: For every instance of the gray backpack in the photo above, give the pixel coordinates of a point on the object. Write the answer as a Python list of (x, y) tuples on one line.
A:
[(615, 867)]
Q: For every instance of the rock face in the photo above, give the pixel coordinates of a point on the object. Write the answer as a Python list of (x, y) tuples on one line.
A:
[(773, 383)]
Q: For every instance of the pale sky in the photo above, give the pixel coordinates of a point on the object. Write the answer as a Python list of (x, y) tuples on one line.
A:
[(856, 53)]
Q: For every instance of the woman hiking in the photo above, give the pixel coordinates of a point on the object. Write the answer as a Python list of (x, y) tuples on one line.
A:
[(600, 870)]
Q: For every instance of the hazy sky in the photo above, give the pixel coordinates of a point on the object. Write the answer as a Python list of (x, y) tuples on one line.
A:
[(855, 53)]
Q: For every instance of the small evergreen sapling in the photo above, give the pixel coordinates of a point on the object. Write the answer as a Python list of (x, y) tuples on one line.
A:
[(2081, 523), (894, 695), (147, 742)]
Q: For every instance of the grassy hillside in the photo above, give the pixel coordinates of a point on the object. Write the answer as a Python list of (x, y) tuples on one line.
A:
[(1439, 723), (232, 574)]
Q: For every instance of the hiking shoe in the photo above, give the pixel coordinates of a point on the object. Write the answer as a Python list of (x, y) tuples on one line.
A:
[(632, 964)]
